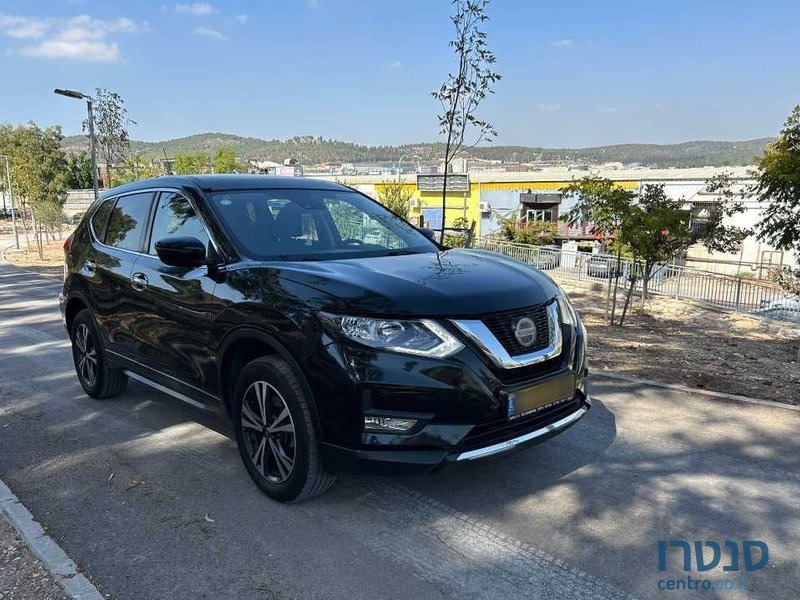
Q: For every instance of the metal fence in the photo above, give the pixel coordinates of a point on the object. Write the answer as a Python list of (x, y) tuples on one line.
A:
[(713, 289)]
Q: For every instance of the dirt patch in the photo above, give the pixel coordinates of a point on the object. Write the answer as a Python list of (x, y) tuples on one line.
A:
[(22, 576), (679, 342), (51, 263)]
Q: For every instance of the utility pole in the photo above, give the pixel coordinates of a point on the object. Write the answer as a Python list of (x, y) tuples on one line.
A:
[(92, 141), (93, 145), (11, 201)]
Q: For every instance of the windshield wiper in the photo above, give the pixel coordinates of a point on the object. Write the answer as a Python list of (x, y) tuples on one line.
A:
[(401, 252)]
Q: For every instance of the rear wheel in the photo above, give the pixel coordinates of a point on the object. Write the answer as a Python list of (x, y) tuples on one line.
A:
[(275, 432), (97, 378)]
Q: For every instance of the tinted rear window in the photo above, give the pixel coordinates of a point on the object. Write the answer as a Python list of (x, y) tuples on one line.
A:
[(128, 220), (100, 218)]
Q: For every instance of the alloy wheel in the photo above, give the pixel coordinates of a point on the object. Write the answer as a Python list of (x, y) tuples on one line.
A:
[(268, 431), (85, 355)]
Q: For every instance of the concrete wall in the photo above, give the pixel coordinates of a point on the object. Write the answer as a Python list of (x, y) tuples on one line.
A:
[(78, 201)]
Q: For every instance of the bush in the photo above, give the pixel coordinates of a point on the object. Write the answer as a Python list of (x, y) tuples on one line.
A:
[(534, 233), (457, 239)]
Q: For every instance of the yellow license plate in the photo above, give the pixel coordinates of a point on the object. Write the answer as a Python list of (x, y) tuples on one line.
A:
[(533, 399)]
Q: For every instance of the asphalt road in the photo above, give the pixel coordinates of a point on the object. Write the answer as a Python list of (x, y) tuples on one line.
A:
[(149, 497)]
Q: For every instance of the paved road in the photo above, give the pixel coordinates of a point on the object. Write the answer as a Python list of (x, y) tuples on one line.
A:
[(148, 495)]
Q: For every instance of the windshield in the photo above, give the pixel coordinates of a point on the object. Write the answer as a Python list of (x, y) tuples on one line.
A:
[(303, 224)]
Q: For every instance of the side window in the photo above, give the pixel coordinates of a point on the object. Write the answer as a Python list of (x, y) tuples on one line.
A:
[(100, 218), (127, 223), (175, 217)]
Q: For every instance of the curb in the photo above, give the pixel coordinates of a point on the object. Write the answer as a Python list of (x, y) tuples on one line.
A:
[(691, 390), (55, 560)]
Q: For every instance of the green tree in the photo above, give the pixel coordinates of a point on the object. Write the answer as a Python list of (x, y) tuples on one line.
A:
[(111, 124), (778, 186), (396, 197), (134, 169), (225, 161), (191, 163), (79, 171), (39, 172), (607, 207), (651, 227), (466, 87), (656, 229)]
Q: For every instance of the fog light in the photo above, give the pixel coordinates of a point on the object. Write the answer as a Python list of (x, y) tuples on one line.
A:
[(388, 423)]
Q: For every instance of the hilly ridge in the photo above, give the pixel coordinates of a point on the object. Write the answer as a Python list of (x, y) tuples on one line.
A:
[(315, 150)]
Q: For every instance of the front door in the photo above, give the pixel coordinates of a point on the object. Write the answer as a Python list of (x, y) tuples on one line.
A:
[(174, 336)]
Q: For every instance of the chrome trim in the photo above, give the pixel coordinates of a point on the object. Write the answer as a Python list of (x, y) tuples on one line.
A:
[(165, 389), (486, 341), (509, 444)]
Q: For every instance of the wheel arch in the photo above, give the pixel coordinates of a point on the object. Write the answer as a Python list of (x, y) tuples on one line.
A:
[(244, 345), (74, 305)]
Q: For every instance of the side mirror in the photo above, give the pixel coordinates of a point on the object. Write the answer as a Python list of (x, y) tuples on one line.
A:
[(428, 233), (181, 252)]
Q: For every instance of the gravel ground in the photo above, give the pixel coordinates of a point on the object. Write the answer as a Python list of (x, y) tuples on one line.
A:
[(51, 263), (680, 342), (22, 576)]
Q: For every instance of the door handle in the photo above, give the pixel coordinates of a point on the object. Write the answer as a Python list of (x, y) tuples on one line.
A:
[(90, 265), (139, 281)]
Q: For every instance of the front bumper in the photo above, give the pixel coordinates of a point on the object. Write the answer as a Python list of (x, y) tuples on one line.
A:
[(427, 461), (460, 404)]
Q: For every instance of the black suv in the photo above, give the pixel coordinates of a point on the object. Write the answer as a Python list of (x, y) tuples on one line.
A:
[(333, 333)]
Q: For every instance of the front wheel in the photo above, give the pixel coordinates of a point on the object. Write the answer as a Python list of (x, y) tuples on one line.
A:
[(275, 432)]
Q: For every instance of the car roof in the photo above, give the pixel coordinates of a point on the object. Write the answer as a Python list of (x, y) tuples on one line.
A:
[(214, 183)]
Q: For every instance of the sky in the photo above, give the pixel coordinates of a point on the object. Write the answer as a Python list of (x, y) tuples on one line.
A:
[(574, 72)]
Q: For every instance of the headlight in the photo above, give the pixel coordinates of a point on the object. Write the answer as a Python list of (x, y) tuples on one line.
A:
[(424, 337), (568, 316)]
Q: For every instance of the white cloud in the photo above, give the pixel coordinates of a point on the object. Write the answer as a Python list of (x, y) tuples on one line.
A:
[(607, 110), (549, 107), (562, 43), (84, 50), (212, 33), (23, 27), (313, 3), (241, 18), (80, 38), (198, 9), (394, 65)]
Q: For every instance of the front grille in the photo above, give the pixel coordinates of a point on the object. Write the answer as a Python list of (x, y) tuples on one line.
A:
[(501, 429), (502, 327)]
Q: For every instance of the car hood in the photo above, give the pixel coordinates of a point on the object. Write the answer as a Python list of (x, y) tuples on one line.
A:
[(449, 283)]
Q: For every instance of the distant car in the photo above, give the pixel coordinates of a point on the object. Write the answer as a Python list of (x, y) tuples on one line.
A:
[(603, 267), (784, 307), (548, 257)]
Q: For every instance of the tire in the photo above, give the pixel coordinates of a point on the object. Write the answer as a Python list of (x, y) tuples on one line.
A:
[(275, 432), (97, 378)]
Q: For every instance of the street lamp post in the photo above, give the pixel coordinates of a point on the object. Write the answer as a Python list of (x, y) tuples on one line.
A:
[(11, 201), (92, 141)]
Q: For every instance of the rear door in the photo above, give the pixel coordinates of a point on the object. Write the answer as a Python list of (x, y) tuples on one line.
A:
[(174, 333), (118, 228)]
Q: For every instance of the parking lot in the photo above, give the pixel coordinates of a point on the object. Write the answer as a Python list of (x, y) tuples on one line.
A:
[(149, 497)]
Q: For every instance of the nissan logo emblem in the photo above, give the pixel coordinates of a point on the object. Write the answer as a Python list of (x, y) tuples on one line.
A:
[(525, 332)]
